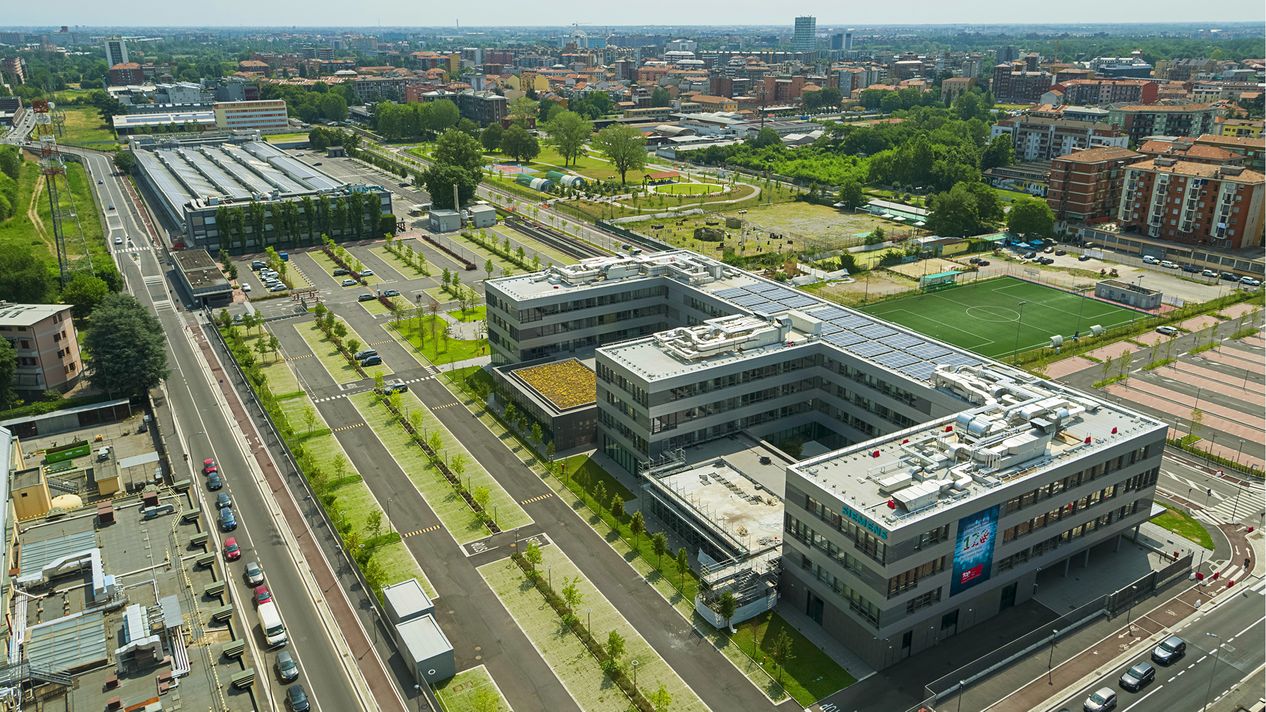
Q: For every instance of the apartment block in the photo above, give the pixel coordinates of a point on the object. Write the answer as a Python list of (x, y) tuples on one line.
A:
[(1038, 138), (43, 335), (1193, 203), (1252, 149), (1085, 185), (1012, 83), (939, 485), (262, 115), (1104, 91), (1139, 121)]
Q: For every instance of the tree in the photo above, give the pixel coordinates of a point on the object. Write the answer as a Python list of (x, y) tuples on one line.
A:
[(683, 565), (851, 194), (491, 137), (532, 555), (568, 132), (125, 161), (1197, 417), (659, 544), (661, 699), (439, 180), (23, 277), (572, 596), (782, 652), (84, 292), (309, 414), (637, 525), (373, 522), (483, 498), (661, 97), (519, 144), (998, 152), (489, 267), (764, 138), (455, 148), (127, 345), (624, 146), (8, 367), (726, 606), (1031, 217), (615, 648), (522, 111)]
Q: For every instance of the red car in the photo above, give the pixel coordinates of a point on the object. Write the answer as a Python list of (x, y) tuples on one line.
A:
[(209, 466), (262, 595), (232, 551)]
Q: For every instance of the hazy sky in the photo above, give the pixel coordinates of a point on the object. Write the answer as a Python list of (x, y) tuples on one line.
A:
[(352, 13)]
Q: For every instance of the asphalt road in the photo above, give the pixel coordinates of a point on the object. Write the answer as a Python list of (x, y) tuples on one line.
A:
[(1233, 630), (208, 433)]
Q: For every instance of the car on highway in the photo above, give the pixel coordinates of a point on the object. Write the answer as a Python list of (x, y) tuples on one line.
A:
[(118, 240), (349, 282), (1167, 330), (297, 699), (223, 500), (232, 551), (394, 386), (209, 466), (1169, 651), (100, 182), (110, 206), (366, 298), (253, 574), (262, 595), (1101, 700), (214, 481), (228, 520), (1137, 677), (286, 667), (246, 288)]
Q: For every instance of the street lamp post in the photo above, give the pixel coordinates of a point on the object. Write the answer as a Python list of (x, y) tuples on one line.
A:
[(1128, 628), (1212, 669), (1050, 662), (961, 685), (1015, 351)]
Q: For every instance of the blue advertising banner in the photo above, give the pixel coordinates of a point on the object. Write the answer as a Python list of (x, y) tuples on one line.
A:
[(973, 550)]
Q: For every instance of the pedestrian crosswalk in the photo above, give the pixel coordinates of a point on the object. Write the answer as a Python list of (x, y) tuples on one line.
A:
[(1227, 510)]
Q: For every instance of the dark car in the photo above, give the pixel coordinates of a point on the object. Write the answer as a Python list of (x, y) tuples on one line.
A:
[(214, 482), (370, 361), (1229, 277), (1170, 650), (983, 263), (394, 386), (1190, 268), (1030, 255), (1060, 253), (366, 298), (340, 271), (298, 699), (362, 355), (223, 500), (1137, 677), (1084, 258), (286, 667), (228, 521)]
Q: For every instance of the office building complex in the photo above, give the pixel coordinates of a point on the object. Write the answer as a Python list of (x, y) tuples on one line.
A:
[(115, 51), (1086, 185), (804, 38), (1195, 203), (937, 483), (47, 347), (211, 188), (262, 115)]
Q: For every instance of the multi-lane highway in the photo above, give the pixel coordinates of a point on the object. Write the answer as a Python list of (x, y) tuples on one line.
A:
[(205, 430)]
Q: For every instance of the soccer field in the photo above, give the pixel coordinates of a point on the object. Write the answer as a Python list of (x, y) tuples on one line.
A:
[(998, 317)]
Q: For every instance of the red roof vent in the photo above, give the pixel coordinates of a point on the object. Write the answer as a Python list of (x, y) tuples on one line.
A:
[(875, 454), (892, 504), (1114, 430), (949, 428), (1088, 440)]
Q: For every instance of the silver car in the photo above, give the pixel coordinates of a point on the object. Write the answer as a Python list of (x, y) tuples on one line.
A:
[(1101, 700)]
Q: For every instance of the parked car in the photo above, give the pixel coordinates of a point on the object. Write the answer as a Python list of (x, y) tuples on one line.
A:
[(1137, 677), (371, 361), (1060, 253), (1209, 273), (1049, 250), (1190, 269), (297, 699), (974, 260), (340, 271), (209, 466), (1169, 651), (1030, 255), (232, 551), (983, 263), (257, 265), (1083, 258), (364, 354), (1101, 700), (223, 500), (1250, 282), (391, 293), (214, 481), (1169, 264), (366, 298), (1167, 330), (228, 520), (394, 386), (246, 288), (277, 288), (1149, 260), (349, 282), (286, 667), (253, 574), (404, 184), (262, 595), (367, 272), (1229, 276)]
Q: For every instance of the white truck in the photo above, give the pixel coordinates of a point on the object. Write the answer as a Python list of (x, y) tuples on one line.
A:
[(270, 623)]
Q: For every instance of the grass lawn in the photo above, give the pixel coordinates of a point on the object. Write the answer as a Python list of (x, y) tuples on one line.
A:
[(687, 188), (84, 238), (403, 267), (329, 265), (1184, 525), (478, 313), (376, 306), (579, 672), (530, 246), (84, 127), (337, 366), (1009, 196), (810, 676), (286, 137), (435, 348), (471, 690), (802, 223), (590, 166), (481, 255), (986, 317)]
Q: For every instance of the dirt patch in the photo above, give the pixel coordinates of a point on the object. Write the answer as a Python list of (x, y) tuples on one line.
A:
[(1199, 323), (1067, 366)]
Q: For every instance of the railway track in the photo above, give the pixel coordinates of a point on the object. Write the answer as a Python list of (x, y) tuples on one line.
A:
[(553, 238)]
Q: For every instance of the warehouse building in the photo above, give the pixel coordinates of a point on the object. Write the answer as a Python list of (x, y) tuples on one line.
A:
[(238, 193), (908, 457)]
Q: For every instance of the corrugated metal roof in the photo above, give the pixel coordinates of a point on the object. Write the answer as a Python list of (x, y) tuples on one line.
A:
[(71, 643)]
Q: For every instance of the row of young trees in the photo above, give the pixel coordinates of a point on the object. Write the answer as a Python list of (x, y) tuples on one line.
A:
[(301, 222)]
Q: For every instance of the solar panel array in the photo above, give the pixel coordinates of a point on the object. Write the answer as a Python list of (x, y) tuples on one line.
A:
[(854, 333)]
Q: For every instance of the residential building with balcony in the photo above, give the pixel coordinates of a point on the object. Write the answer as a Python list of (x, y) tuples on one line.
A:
[(1104, 91), (47, 346), (1039, 138), (1012, 83), (1139, 121), (1085, 186), (1252, 149), (1193, 203)]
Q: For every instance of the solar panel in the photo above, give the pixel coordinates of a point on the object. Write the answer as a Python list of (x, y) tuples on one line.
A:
[(920, 370), (852, 321), (869, 349), (828, 329), (747, 300), (928, 350), (844, 339), (798, 301), (731, 293), (957, 359), (902, 341), (765, 308), (829, 313), (875, 331), (896, 359), (770, 289)]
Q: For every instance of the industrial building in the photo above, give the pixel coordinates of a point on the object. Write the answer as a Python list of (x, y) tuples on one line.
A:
[(236, 192), (201, 279), (905, 457)]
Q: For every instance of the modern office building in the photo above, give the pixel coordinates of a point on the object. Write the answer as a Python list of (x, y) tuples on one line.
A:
[(261, 115), (238, 193), (1193, 203), (115, 51), (921, 454), (47, 346), (804, 38), (1086, 185)]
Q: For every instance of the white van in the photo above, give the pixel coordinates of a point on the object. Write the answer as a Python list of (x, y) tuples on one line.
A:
[(270, 622)]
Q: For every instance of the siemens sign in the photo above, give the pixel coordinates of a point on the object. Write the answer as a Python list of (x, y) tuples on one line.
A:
[(863, 521), (973, 549)]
